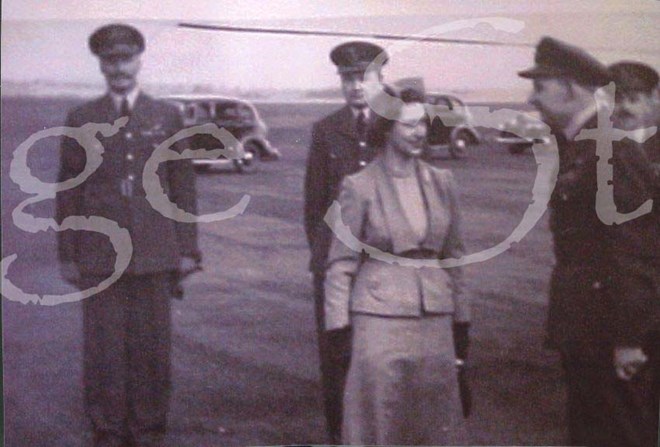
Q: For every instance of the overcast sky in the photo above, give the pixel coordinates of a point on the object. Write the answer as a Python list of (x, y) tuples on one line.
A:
[(48, 40)]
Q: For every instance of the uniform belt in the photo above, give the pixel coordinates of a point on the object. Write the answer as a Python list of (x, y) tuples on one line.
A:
[(419, 254)]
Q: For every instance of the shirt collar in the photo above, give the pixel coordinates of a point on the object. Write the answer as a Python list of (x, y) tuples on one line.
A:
[(356, 112), (643, 134), (130, 96)]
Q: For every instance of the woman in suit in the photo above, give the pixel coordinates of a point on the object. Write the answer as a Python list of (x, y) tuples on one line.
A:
[(402, 385)]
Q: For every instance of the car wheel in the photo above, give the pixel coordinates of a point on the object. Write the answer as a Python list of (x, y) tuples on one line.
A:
[(459, 144), (249, 161)]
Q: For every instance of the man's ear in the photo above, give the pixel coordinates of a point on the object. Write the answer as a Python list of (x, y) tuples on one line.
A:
[(655, 96)]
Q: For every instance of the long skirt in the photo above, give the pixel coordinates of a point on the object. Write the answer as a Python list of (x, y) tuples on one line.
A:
[(402, 386)]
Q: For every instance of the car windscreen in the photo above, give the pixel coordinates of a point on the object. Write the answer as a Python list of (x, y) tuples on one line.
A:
[(233, 112)]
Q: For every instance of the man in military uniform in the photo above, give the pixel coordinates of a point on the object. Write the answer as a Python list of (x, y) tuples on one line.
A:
[(338, 149), (126, 326), (565, 79), (638, 102), (635, 246)]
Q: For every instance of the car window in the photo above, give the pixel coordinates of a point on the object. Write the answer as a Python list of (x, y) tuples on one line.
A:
[(234, 111), (203, 110), (226, 111), (245, 112), (189, 111), (450, 104), (443, 101)]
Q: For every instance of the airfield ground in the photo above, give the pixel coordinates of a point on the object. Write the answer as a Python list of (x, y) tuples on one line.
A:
[(244, 355)]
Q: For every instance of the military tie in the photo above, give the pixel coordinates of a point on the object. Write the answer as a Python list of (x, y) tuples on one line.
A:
[(361, 126), (125, 109)]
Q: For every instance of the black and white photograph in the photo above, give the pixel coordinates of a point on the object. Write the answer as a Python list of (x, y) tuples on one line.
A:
[(297, 223)]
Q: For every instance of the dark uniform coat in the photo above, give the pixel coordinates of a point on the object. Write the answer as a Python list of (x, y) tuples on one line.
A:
[(158, 242), (604, 293), (127, 327), (337, 150), (580, 290), (594, 302), (635, 248)]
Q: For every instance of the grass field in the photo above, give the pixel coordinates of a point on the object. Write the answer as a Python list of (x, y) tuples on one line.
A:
[(245, 363)]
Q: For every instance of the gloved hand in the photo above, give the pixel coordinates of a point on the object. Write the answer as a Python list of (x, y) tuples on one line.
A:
[(342, 336), (461, 345), (461, 340)]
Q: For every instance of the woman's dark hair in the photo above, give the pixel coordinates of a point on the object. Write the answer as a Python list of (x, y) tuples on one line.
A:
[(381, 127)]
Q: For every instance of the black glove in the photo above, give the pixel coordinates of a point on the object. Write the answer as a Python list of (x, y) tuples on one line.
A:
[(342, 336), (461, 340), (461, 345)]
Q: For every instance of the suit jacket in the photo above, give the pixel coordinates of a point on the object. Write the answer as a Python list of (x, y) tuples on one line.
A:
[(334, 153), (371, 208), (652, 147), (635, 248), (580, 286), (606, 282), (158, 242)]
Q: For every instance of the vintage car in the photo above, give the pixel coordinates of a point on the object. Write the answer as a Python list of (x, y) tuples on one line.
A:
[(451, 130), (238, 117), (523, 131)]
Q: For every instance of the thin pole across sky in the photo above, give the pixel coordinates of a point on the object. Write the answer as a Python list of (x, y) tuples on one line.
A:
[(415, 38)]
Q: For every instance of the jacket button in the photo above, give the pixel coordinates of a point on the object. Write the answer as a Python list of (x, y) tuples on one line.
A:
[(129, 157), (129, 135), (596, 285), (363, 163), (131, 177), (363, 144)]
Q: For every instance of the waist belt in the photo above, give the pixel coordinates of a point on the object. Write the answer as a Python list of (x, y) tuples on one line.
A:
[(419, 254)]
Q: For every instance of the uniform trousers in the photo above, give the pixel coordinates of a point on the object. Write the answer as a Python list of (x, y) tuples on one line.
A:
[(335, 358), (604, 411), (127, 343)]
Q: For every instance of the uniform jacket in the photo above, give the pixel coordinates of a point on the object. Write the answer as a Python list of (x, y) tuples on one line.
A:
[(370, 207), (580, 286), (635, 248), (605, 285), (334, 153), (158, 242)]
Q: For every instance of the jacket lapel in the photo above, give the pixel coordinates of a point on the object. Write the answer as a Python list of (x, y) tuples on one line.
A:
[(434, 209), (106, 110), (400, 231), (140, 111), (346, 123)]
